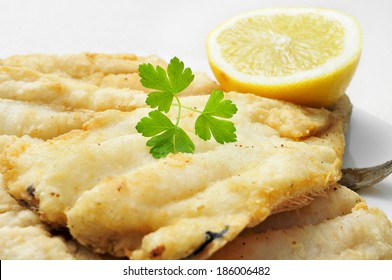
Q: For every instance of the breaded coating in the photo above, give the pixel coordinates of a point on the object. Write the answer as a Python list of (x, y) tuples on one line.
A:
[(122, 201), (361, 233), (104, 70), (31, 242), (201, 84), (45, 96), (28, 85), (81, 65), (23, 235), (5, 140), (336, 201), (39, 120)]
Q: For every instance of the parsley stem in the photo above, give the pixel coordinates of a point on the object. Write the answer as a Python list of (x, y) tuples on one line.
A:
[(179, 109), (188, 108)]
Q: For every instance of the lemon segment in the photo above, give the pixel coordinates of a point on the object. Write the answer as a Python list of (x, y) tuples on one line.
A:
[(303, 55)]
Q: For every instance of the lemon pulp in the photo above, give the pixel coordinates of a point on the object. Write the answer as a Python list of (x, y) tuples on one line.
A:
[(303, 55)]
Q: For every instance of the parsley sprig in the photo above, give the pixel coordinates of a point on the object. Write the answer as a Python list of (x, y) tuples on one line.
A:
[(168, 137)]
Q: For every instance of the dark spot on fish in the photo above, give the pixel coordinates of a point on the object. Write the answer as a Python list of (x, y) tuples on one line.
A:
[(30, 200), (26, 204), (158, 251), (31, 190), (54, 194), (209, 238), (23, 203)]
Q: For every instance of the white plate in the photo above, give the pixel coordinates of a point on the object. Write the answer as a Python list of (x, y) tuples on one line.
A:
[(368, 143)]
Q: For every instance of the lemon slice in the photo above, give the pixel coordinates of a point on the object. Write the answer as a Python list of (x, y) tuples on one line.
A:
[(303, 55)]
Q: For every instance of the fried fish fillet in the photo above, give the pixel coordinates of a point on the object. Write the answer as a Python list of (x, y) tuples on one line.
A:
[(82, 65), (336, 226), (102, 183), (24, 236), (336, 201), (104, 70), (45, 96), (27, 85), (22, 84), (39, 120)]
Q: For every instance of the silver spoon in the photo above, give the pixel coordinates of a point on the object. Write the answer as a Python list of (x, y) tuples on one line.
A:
[(360, 178)]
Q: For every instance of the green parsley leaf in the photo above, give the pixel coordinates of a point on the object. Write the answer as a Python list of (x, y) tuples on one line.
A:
[(160, 99), (167, 137), (207, 123), (174, 140), (155, 123), (179, 77), (168, 84)]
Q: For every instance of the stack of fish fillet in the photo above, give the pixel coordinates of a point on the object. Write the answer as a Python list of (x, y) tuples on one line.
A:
[(77, 180)]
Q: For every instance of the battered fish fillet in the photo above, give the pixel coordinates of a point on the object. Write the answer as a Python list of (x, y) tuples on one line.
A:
[(336, 201), (82, 65), (337, 226), (45, 96), (23, 84), (102, 183), (39, 120), (103, 70), (24, 236), (27, 85)]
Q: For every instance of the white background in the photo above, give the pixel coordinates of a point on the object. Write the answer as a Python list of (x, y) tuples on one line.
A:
[(179, 28)]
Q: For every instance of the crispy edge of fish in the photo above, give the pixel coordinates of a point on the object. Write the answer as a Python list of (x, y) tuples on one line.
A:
[(362, 233)]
